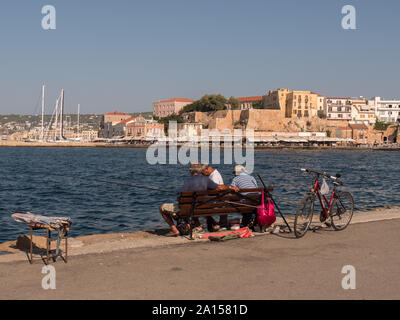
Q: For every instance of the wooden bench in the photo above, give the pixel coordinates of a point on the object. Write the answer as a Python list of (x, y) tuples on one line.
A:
[(212, 203)]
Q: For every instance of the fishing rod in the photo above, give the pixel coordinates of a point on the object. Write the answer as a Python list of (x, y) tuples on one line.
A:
[(273, 200), (119, 183)]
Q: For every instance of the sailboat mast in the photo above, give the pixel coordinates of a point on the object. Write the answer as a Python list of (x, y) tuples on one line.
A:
[(56, 121), (62, 116), (43, 87), (79, 111)]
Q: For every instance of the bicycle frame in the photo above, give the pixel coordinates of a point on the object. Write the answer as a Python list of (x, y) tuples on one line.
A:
[(326, 209)]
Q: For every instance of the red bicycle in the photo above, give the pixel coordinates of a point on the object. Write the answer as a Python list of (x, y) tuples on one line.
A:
[(339, 209)]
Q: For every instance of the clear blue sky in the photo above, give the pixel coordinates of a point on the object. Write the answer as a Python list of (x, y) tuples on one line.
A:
[(126, 54)]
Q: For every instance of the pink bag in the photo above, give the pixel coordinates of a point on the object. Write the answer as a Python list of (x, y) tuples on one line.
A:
[(266, 213)]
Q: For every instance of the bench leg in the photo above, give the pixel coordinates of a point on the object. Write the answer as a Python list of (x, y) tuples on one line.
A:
[(31, 248), (66, 249), (48, 246)]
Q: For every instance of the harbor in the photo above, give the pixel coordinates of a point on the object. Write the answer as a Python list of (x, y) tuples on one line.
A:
[(290, 269)]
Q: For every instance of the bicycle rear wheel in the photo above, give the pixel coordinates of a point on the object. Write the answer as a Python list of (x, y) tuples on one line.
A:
[(342, 211), (304, 216)]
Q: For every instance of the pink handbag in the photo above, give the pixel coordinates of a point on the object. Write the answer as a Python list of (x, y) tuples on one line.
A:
[(266, 213)]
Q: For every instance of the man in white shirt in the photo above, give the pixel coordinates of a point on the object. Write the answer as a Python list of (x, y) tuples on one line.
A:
[(215, 177), (213, 174)]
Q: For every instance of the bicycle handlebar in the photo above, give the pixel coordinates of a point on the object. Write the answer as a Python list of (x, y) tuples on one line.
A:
[(320, 173)]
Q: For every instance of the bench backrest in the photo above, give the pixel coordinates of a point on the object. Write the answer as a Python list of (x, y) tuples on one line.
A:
[(211, 202)]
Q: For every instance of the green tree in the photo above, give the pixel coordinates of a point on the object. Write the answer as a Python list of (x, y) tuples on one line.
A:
[(166, 120), (258, 105), (328, 133), (209, 102), (380, 125), (234, 103)]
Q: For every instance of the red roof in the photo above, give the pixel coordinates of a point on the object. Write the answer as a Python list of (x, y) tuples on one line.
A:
[(116, 113), (178, 100), (246, 99), (126, 120)]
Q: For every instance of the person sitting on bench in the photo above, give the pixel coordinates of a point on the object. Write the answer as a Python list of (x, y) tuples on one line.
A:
[(196, 182), (243, 180)]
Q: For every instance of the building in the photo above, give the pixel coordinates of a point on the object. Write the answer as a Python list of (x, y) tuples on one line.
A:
[(111, 130), (296, 103), (338, 108), (115, 117), (247, 102), (302, 104), (276, 100), (144, 129), (89, 135), (363, 111), (387, 110), (189, 130), (164, 108), (321, 106)]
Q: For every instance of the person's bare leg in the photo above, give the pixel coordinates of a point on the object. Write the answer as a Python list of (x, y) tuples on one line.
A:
[(196, 222), (169, 221)]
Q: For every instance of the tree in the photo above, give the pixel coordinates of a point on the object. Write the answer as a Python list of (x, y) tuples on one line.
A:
[(328, 133), (234, 103), (258, 105), (209, 102), (166, 120), (380, 125)]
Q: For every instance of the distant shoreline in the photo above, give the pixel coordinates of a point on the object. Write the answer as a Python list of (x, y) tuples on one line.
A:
[(107, 145)]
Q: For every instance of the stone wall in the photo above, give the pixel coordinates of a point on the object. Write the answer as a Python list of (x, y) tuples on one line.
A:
[(261, 120)]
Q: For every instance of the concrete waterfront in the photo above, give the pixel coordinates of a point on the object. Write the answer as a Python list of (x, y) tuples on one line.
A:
[(273, 266)]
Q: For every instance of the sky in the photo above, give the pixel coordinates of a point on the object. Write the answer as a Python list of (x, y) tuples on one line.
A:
[(126, 54)]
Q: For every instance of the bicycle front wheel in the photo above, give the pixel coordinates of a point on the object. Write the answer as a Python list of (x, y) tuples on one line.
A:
[(342, 211), (304, 216)]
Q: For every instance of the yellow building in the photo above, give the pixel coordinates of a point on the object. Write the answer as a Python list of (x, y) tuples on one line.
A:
[(302, 104), (296, 103)]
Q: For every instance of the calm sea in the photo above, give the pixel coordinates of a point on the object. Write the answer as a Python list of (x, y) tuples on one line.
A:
[(30, 181)]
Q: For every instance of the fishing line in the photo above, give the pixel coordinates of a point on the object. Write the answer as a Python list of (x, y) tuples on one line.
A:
[(119, 183)]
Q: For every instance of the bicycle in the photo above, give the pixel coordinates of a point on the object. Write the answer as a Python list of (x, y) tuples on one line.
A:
[(339, 209)]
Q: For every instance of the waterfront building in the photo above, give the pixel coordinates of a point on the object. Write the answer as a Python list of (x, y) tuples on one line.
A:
[(276, 100), (164, 108), (387, 110), (189, 130), (302, 104), (141, 128), (247, 102), (321, 106), (363, 111), (89, 135), (293, 103), (115, 117), (338, 108)]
